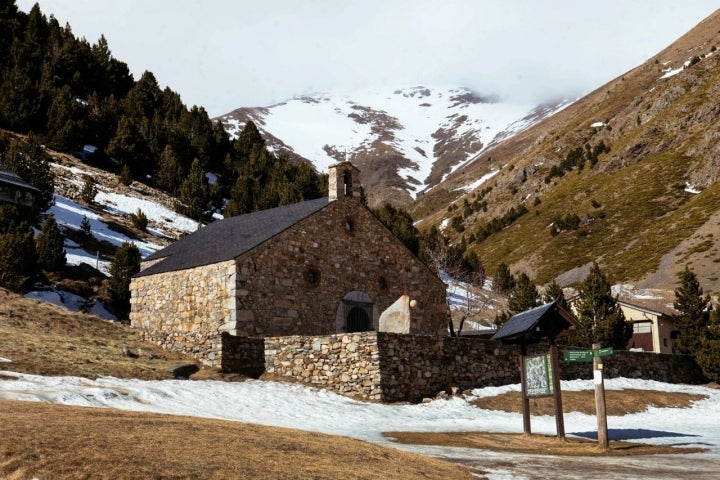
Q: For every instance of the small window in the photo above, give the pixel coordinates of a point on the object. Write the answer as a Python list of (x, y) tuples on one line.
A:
[(312, 275), (382, 283), (347, 183)]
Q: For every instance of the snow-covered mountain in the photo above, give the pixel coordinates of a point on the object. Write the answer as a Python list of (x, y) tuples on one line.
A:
[(404, 141)]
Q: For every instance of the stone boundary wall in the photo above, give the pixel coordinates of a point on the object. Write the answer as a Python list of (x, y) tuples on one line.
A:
[(348, 364), (414, 367), (662, 367), (391, 367), (205, 348)]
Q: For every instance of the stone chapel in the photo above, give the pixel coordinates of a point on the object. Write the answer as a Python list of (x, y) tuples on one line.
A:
[(318, 267)]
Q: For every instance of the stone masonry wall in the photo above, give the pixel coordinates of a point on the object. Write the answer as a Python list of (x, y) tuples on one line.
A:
[(662, 367), (392, 367), (347, 364), (294, 283), (187, 310)]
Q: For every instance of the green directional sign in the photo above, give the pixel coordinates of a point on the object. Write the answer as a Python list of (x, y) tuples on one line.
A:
[(578, 355), (586, 355), (603, 352)]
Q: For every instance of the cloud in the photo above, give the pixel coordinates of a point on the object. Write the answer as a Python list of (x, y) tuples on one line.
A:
[(225, 54)]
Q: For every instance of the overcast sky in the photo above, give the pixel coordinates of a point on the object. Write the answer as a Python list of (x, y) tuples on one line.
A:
[(225, 54)]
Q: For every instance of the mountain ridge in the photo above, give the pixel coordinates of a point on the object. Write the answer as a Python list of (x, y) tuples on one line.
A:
[(406, 140), (646, 207), (626, 175)]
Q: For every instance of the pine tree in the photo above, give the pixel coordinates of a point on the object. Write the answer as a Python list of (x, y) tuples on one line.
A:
[(29, 160), (693, 316), (195, 193), (169, 174), (89, 190), (248, 140), (601, 319), (125, 264), (50, 246), (85, 227), (240, 197), (503, 281), (401, 224), (554, 293), (708, 356), (18, 257), (139, 220), (524, 295), (126, 176)]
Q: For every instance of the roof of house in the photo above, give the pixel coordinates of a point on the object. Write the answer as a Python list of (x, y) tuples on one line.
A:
[(659, 305), (229, 238), (8, 177), (525, 323)]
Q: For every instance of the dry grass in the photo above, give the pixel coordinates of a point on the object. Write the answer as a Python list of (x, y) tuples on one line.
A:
[(617, 402), (44, 339), (533, 444), (53, 441)]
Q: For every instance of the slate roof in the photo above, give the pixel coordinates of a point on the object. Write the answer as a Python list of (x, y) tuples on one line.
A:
[(8, 177), (525, 322), (229, 238)]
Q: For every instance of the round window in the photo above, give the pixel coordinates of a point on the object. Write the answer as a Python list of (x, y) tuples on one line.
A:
[(312, 276)]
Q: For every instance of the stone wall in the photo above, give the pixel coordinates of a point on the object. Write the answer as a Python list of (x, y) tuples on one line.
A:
[(414, 367), (294, 284), (348, 364), (392, 367), (662, 367), (187, 310)]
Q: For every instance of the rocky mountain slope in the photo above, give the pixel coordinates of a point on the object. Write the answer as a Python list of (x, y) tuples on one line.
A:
[(404, 141), (627, 176)]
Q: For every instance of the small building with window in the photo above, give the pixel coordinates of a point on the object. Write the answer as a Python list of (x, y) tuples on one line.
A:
[(319, 267), (15, 190), (653, 324)]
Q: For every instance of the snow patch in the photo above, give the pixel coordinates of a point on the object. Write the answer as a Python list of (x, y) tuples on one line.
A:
[(690, 189), (479, 181)]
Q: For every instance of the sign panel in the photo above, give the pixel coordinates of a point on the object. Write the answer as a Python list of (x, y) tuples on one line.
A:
[(538, 375), (578, 355), (603, 352)]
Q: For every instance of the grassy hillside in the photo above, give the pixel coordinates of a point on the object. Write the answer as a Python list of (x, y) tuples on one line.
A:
[(55, 441), (44, 339), (625, 160)]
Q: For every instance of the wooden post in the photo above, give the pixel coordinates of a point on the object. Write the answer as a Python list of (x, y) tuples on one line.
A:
[(523, 388), (559, 419), (600, 399)]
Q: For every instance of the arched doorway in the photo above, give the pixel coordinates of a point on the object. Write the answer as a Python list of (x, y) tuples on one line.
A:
[(356, 313), (357, 320)]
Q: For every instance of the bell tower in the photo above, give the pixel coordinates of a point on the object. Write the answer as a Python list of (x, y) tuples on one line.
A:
[(343, 181)]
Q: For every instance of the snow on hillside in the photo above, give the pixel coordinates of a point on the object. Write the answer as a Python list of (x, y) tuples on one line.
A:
[(301, 407), (70, 214), (417, 122)]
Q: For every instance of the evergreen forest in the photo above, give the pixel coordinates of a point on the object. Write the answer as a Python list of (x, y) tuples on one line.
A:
[(75, 97)]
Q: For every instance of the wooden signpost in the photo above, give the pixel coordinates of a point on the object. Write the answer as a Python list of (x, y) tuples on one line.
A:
[(539, 374), (595, 356), (540, 377)]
